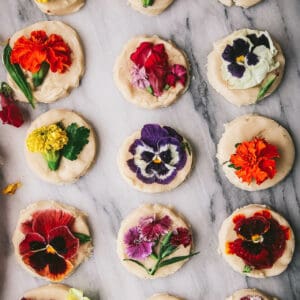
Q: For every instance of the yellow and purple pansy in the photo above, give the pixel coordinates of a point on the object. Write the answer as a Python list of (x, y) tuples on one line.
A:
[(158, 154)]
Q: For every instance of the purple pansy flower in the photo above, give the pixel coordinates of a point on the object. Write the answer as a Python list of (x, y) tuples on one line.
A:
[(158, 155), (136, 246), (240, 53), (152, 228)]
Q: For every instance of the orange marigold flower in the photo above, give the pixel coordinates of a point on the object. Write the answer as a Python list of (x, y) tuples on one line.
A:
[(31, 52), (255, 160)]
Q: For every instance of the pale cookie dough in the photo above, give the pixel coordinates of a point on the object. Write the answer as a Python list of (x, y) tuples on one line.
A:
[(242, 3), (55, 85), (157, 8), (124, 155), (51, 291), (163, 297), (238, 97), (60, 7), (141, 97), (238, 295), (80, 225), (245, 128), (227, 234), (132, 220), (68, 171)]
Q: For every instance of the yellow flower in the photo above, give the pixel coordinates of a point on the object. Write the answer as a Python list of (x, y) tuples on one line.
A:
[(10, 189), (75, 294), (46, 139), (43, 1)]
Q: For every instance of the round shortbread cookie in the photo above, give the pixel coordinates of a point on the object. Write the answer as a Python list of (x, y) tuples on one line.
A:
[(51, 291), (252, 294), (55, 85), (245, 128), (163, 297), (157, 8), (131, 221), (139, 170), (68, 171), (242, 3), (36, 222), (141, 97), (239, 97), (227, 234), (60, 7)]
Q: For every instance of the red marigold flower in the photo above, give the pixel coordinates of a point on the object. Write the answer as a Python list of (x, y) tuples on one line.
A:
[(49, 245), (261, 240), (152, 228), (10, 113), (181, 236), (31, 52), (255, 160)]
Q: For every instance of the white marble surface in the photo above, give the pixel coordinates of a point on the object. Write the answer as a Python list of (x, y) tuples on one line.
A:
[(206, 198)]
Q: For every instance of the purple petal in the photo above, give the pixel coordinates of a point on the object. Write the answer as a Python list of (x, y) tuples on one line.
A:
[(134, 145), (152, 133), (172, 132), (252, 59), (258, 41), (241, 47), (131, 165), (236, 70), (228, 54)]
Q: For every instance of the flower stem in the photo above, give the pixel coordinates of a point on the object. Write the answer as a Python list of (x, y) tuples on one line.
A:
[(156, 267)]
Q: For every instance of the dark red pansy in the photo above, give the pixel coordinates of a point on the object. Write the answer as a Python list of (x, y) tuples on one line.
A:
[(49, 245), (262, 240), (46, 220), (181, 236)]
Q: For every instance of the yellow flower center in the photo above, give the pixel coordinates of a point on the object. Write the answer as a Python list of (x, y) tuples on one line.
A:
[(50, 249), (257, 238), (240, 59), (157, 160)]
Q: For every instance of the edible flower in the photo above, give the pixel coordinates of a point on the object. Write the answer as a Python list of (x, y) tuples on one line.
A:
[(151, 69), (49, 244), (10, 113), (136, 246), (30, 53), (255, 160), (48, 140), (261, 240), (75, 294), (154, 238), (252, 298), (248, 60), (11, 188), (158, 155)]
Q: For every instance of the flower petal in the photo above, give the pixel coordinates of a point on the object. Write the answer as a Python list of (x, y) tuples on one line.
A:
[(44, 221), (63, 241), (32, 242)]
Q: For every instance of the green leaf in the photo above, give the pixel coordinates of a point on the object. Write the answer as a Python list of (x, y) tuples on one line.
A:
[(83, 238), (165, 243), (17, 75), (237, 144), (78, 138), (166, 87), (147, 3), (168, 251), (247, 269), (149, 89), (187, 146), (234, 167), (38, 77), (264, 89), (176, 259), (6, 90), (138, 263)]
